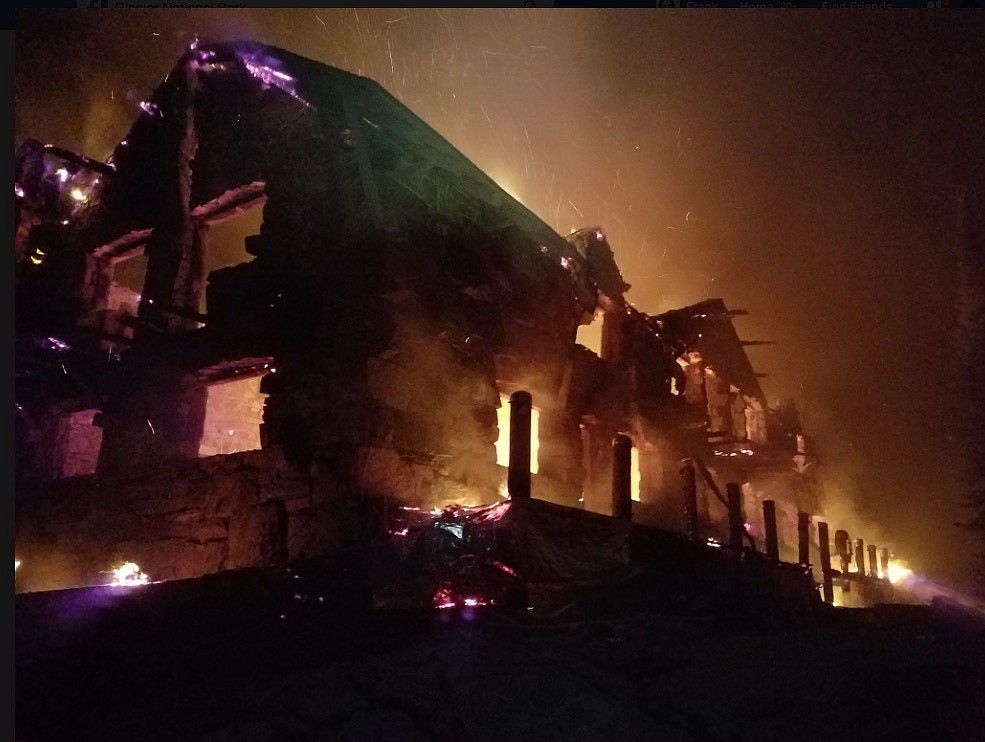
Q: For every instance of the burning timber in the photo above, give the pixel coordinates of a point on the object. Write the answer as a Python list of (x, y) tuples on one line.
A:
[(398, 335)]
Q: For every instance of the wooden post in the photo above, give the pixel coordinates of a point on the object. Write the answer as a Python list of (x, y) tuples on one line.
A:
[(622, 462), (826, 584), (769, 520), (803, 538), (736, 524), (884, 563), (860, 557), (689, 490), (843, 545), (844, 549), (518, 478), (873, 563)]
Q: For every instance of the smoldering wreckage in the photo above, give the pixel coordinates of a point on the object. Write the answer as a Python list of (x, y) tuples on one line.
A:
[(390, 371)]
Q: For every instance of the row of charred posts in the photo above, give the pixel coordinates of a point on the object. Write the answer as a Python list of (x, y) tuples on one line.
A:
[(846, 549)]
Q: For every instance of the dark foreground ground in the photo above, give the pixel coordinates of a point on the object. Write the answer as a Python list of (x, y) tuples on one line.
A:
[(277, 665)]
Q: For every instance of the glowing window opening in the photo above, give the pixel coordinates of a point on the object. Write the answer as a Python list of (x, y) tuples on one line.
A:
[(634, 475), (503, 441), (233, 415)]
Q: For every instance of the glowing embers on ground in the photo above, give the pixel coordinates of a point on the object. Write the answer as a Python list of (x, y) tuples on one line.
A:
[(503, 441), (740, 452), (459, 548), (491, 514), (128, 574), (445, 599)]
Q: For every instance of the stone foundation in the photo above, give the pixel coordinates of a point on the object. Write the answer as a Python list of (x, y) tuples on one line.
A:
[(250, 509)]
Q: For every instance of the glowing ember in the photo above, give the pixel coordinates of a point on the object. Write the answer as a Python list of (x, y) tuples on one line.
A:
[(898, 573), (79, 195), (16, 565), (264, 68), (128, 574), (492, 514), (444, 599), (56, 344), (505, 568)]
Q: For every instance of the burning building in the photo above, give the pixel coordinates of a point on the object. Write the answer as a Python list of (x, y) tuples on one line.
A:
[(195, 417)]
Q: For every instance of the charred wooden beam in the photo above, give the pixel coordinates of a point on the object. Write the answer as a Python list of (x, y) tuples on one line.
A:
[(769, 520), (622, 464), (710, 480), (827, 586), (689, 494), (804, 538), (518, 478), (124, 246), (843, 547), (873, 562), (884, 563), (860, 557), (82, 160), (230, 203), (736, 523)]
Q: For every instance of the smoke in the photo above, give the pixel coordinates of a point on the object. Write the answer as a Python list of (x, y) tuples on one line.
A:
[(840, 510)]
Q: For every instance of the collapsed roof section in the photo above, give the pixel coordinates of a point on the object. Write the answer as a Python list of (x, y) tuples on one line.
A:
[(706, 328)]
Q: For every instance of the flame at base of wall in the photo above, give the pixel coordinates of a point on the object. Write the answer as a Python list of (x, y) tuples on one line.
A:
[(128, 574)]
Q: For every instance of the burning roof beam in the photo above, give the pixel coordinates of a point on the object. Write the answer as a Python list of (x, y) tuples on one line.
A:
[(77, 159)]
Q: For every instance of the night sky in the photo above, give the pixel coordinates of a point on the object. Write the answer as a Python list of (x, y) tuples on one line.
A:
[(807, 166)]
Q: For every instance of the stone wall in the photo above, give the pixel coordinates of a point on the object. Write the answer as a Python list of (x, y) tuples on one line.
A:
[(183, 519), (251, 509)]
